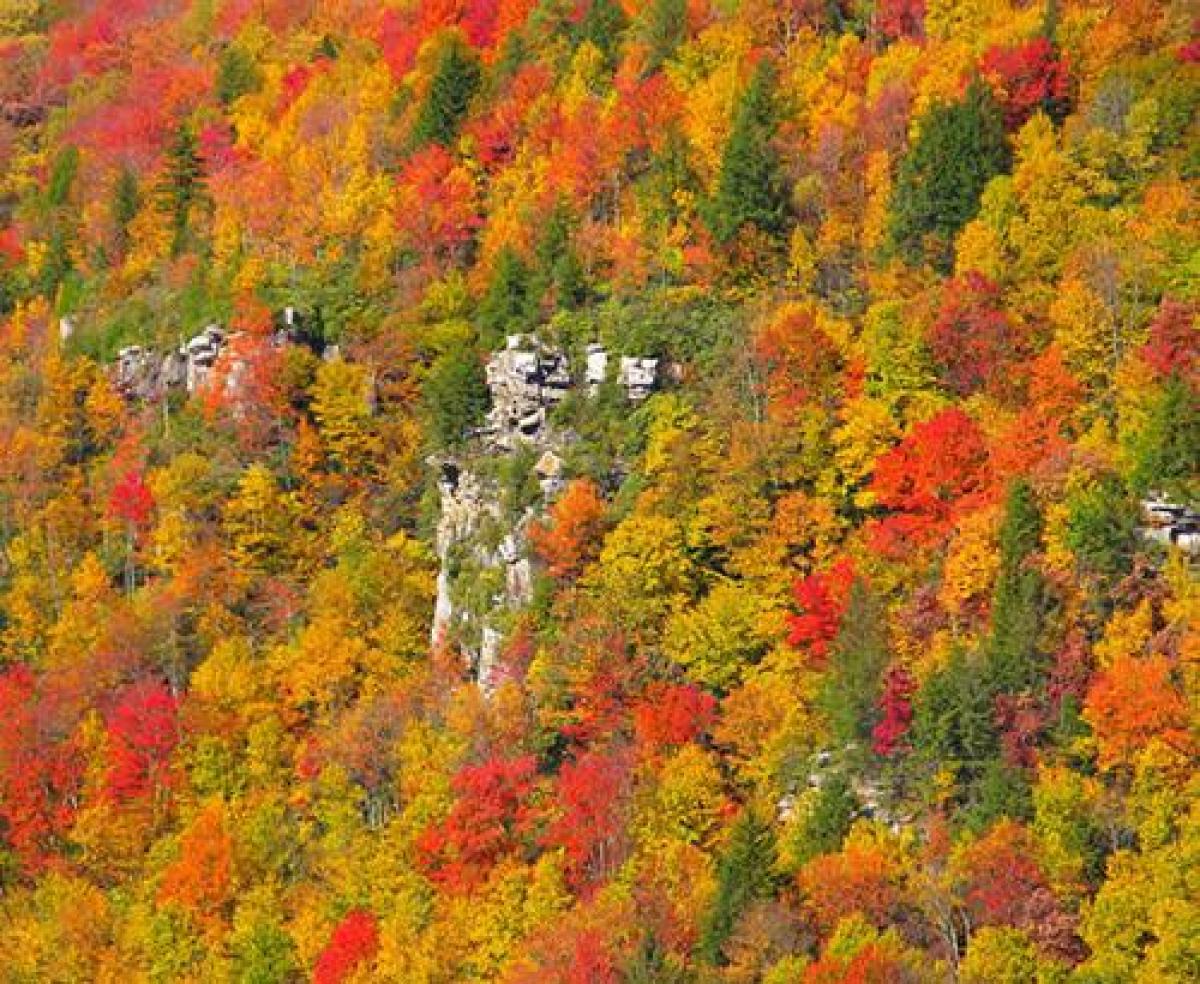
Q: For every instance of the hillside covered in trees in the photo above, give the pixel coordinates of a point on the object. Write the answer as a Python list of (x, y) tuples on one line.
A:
[(594, 491)]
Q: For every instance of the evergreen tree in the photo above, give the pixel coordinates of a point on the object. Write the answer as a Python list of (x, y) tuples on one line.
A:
[(62, 176), (1018, 600), (236, 75), (752, 188), (1102, 532), (510, 304), (831, 817), (559, 266), (954, 720), (1166, 451), (850, 695), (455, 81), (1002, 791), (663, 29), (456, 396), (961, 147), (182, 186), (744, 875), (652, 963), (123, 208), (603, 24)]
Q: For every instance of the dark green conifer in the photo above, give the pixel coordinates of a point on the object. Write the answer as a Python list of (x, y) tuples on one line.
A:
[(455, 81), (123, 208), (752, 188), (744, 875), (182, 186), (1017, 604), (510, 304), (853, 683), (960, 148), (558, 263)]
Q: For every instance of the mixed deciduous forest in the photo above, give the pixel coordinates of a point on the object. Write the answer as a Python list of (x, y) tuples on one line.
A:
[(587, 491)]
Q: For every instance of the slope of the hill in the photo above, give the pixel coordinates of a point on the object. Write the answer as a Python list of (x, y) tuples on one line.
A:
[(594, 491)]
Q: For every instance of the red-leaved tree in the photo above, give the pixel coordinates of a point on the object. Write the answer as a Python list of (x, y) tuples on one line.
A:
[(143, 730), (973, 339), (888, 736), (940, 466), (821, 599), (1028, 77), (354, 941), (493, 817), (592, 793), (41, 769), (672, 714)]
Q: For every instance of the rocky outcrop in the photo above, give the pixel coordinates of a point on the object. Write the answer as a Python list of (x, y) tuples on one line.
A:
[(526, 380), (639, 377), (142, 374), (480, 549), (469, 523), (1170, 524)]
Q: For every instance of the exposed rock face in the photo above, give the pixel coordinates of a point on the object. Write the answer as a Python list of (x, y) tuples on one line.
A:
[(143, 374), (1171, 524), (201, 354), (638, 376), (470, 506), (597, 367), (526, 379)]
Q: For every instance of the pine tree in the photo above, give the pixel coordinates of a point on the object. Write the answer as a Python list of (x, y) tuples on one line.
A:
[(829, 822), (743, 876), (559, 266), (664, 29), (954, 721), (752, 188), (602, 24), (126, 200), (510, 304), (236, 75), (455, 81), (1018, 599), (62, 176), (1166, 451), (456, 395), (850, 697), (961, 147), (182, 186)]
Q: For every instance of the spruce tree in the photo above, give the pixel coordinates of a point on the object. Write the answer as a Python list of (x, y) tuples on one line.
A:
[(961, 147), (1166, 449), (510, 304), (602, 24), (831, 817), (559, 266), (456, 396), (123, 208), (62, 176), (954, 721), (455, 81), (1017, 603), (752, 188), (744, 875), (853, 683), (182, 186), (236, 75), (664, 28)]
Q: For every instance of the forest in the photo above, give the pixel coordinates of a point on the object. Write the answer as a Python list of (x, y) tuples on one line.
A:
[(599, 491)]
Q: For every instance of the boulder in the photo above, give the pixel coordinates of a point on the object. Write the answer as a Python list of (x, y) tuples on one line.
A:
[(638, 376)]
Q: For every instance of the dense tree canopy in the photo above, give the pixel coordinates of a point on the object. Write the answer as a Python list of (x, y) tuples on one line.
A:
[(678, 492)]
